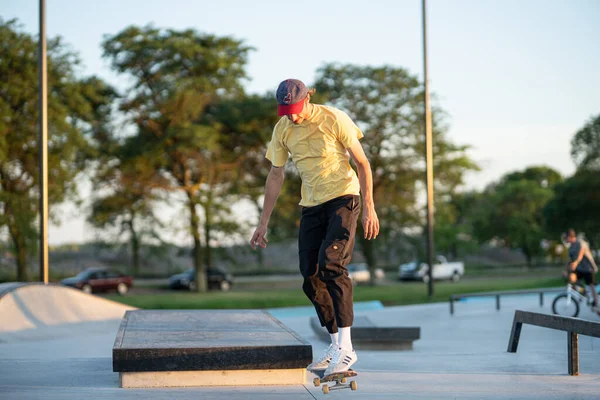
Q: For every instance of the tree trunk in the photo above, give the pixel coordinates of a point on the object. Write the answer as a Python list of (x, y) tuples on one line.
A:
[(528, 256), (385, 238), (454, 250), (198, 265), (135, 248), (207, 231), (20, 252)]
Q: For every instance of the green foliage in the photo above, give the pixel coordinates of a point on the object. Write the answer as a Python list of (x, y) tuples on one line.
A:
[(74, 108), (576, 204), (543, 176), (246, 125), (576, 201), (585, 146), (453, 229), (186, 100), (512, 210), (125, 192)]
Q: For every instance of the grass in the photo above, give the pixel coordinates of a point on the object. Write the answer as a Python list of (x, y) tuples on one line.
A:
[(389, 295), (417, 293), (516, 270)]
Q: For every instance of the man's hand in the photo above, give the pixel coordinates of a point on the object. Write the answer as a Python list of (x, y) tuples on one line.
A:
[(573, 266), (370, 222), (259, 239)]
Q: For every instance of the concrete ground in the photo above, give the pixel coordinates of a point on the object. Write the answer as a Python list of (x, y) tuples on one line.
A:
[(458, 357)]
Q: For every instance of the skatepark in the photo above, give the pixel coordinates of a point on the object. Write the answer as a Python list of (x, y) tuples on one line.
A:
[(56, 343)]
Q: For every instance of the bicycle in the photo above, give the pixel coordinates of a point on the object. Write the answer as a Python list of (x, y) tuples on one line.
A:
[(567, 304)]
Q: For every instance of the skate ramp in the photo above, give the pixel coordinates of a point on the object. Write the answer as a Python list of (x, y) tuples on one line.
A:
[(35, 310)]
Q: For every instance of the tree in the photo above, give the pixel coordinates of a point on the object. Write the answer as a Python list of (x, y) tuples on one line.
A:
[(75, 106), (246, 126), (387, 104), (512, 210), (576, 204), (542, 175), (576, 201), (585, 146), (128, 190), (453, 229), (176, 75)]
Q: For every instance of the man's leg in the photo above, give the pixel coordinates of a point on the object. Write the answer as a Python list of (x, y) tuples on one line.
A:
[(312, 232), (311, 235), (334, 256), (594, 294), (336, 253), (591, 281)]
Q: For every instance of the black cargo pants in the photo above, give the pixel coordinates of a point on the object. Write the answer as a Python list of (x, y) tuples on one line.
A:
[(325, 244)]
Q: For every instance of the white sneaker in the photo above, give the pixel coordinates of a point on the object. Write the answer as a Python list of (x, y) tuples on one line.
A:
[(342, 360), (323, 362)]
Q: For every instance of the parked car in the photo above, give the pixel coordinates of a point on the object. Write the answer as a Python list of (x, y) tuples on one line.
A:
[(359, 273), (442, 269), (93, 280), (217, 278)]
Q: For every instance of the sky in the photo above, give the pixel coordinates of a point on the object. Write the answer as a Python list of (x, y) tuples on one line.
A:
[(517, 78)]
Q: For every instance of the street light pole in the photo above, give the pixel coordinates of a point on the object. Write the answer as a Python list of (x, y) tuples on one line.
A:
[(428, 158), (43, 145)]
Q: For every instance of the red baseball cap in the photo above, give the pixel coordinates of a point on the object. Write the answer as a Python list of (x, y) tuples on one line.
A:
[(290, 97)]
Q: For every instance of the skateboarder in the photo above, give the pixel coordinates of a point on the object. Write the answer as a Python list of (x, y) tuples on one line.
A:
[(320, 141), (582, 265)]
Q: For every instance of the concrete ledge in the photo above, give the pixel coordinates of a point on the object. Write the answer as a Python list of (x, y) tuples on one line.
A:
[(367, 336), (213, 378), (206, 340)]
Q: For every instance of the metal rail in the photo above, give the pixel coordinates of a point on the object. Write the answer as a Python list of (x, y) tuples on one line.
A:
[(498, 294), (573, 327)]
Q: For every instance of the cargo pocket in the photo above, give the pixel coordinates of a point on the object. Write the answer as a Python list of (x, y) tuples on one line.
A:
[(334, 249), (332, 261)]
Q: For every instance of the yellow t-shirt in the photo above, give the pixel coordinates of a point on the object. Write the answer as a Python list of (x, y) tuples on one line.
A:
[(318, 149)]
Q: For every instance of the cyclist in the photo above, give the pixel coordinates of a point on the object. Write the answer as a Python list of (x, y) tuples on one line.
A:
[(581, 267)]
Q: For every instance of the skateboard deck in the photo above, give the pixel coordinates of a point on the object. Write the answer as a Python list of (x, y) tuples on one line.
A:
[(339, 379)]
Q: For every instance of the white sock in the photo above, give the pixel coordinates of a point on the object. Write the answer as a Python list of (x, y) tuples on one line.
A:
[(345, 339), (334, 338)]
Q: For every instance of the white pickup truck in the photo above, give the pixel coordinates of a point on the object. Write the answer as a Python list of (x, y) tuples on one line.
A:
[(442, 269)]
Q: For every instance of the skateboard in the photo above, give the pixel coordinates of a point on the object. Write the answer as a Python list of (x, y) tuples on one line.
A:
[(339, 379)]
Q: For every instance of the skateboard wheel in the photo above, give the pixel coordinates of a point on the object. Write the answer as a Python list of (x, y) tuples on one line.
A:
[(343, 380), (353, 385), (325, 389), (317, 382)]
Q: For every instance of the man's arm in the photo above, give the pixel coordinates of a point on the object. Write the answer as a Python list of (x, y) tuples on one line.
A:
[(365, 177), (588, 254), (272, 189), (575, 263)]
